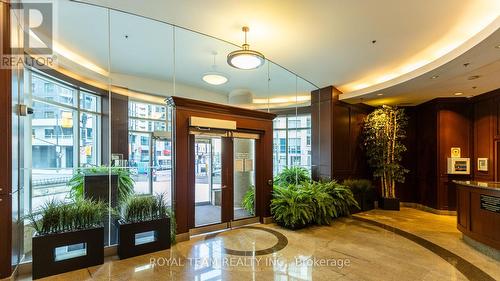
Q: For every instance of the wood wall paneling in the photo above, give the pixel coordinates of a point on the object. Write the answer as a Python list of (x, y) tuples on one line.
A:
[(407, 191), (342, 146), (336, 136), (484, 134)]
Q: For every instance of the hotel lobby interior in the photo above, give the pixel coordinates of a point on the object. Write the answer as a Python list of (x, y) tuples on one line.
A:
[(256, 140)]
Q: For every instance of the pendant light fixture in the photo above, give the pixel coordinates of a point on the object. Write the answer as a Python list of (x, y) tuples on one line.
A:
[(214, 77), (245, 58)]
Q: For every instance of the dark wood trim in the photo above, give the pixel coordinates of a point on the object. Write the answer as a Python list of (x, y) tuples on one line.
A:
[(227, 183), (5, 147), (203, 106), (486, 96), (184, 156)]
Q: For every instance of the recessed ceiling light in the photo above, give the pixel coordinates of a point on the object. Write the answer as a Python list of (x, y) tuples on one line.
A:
[(497, 46), (214, 78), (245, 58), (473, 77), (435, 76), (458, 94), (380, 95)]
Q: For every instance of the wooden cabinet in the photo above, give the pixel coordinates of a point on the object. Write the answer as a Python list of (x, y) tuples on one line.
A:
[(473, 219)]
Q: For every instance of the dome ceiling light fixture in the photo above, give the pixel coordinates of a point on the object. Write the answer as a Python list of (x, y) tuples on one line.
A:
[(245, 58), (214, 77)]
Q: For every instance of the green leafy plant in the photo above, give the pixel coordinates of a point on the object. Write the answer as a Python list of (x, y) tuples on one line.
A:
[(343, 198), (384, 129), (359, 186), (291, 206), (296, 206), (125, 181), (57, 216), (322, 201), (292, 175), (248, 201), (173, 225)]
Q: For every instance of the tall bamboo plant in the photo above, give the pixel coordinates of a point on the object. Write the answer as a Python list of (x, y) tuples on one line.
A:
[(384, 129)]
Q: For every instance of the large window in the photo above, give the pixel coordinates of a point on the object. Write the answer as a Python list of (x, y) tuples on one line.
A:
[(65, 134), (292, 142), (150, 147)]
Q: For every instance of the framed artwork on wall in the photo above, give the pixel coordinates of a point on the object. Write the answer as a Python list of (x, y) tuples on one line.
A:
[(482, 164)]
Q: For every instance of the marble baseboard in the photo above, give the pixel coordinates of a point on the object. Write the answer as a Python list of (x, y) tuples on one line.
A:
[(182, 237), (485, 249), (268, 220), (428, 209)]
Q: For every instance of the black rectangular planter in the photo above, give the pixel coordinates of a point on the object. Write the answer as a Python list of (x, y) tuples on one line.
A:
[(127, 237), (44, 251), (97, 187), (365, 202), (389, 203)]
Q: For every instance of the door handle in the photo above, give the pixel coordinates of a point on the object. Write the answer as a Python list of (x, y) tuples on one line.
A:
[(224, 186)]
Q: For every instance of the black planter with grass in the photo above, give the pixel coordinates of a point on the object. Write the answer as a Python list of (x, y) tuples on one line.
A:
[(388, 203), (145, 226), (69, 236), (62, 252), (144, 237)]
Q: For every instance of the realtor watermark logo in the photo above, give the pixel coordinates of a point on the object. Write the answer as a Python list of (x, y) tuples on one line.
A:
[(263, 262), (31, 42)]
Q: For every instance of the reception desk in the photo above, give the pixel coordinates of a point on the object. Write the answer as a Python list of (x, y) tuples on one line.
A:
[(478, 211)]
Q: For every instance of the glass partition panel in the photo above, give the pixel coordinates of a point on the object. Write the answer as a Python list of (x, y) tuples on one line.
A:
[(100, 113), (66, 133)]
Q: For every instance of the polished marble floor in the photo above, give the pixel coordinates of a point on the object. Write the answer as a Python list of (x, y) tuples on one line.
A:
[(376, 245)]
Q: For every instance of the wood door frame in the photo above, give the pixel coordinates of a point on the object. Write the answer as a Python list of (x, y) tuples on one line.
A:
[(246, 120)]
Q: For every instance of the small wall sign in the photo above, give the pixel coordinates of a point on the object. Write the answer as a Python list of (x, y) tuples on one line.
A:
[(455, 152), (490, 203), (482, 164)]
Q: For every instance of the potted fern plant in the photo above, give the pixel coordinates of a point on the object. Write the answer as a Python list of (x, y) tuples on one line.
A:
[(292, 175), (384, 129), (68, 236), (144, 226), (297, 206)]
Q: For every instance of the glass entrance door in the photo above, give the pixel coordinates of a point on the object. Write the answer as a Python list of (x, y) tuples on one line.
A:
[(208, 180), (243, 178), (224, 179)]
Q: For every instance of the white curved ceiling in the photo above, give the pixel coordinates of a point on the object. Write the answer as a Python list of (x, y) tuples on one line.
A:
[(330, 42)]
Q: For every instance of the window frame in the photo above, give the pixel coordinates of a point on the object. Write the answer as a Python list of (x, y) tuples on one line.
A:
[(287, 129), (76, 110)]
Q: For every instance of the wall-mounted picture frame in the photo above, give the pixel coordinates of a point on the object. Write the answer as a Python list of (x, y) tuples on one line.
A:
[(482, 164)]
